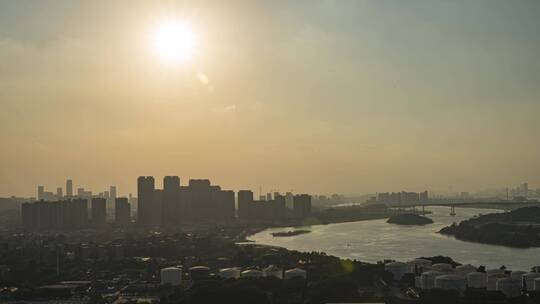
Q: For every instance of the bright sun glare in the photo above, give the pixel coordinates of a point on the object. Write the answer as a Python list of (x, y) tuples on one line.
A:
[(174, 42)]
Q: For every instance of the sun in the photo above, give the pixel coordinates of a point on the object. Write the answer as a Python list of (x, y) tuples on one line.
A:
[(174, 42)]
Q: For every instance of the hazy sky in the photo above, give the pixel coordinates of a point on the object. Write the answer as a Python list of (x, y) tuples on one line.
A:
[(314, 96)]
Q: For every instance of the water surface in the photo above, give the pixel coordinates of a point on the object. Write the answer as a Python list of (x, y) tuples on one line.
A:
[(376, 240)]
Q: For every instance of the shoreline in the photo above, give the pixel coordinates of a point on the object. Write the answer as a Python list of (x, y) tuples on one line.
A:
[(328, 217), (489, 259), (515, 229), (254, 230)]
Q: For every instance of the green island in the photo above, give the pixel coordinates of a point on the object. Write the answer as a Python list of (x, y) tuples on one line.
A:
[(290, 233), (409, 219), (517, 228)]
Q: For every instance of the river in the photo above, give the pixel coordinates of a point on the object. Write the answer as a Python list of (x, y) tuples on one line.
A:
[(376, 240)]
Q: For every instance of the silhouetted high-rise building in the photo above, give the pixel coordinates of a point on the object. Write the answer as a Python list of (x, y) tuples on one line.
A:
[(45, 195), (245, 202), (278, 206), (171, 200), (40, 192), (69, 188), (99, 212), (185, 211), (383, 197), (222, 204), (227, 207), (395, 197), (200, 198), (59, 194), (112, 192), (156, 212), (302, 205), (171, 182), (289, 200), (423, 196), (145, 194), (524, 189), (122, 211)]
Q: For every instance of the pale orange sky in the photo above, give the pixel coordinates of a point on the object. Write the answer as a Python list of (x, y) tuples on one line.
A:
[(314, 96)]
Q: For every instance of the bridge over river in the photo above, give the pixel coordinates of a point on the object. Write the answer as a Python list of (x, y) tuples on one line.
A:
[(504, 205)]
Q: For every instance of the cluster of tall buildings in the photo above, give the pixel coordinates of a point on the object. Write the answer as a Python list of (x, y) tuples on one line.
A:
[(199, 201), (521, 190), (272, 208), (43, 195), (402, 197), (176, 204), (73, 214), (109, 195), (266, 208)]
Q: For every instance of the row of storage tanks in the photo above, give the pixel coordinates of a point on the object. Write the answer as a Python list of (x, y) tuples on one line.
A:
[(444, 276), (173, 275), (270, 271)]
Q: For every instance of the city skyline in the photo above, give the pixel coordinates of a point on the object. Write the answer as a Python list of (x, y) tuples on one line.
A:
[(516, 189), (175, 205)]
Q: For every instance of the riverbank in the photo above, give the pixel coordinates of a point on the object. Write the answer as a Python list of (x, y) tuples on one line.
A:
[(519, 228), (376, 240), (333, 215)]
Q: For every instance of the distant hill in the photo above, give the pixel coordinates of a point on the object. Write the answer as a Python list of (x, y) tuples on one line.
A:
[(517, 228)]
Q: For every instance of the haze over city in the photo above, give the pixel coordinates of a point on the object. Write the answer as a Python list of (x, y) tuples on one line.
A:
[(269, 152), (315, 96)]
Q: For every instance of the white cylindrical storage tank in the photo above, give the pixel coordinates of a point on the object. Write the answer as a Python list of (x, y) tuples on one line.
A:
[(537, 284), (428, 279), (464, 270), (252, 273), (492, 280), (451, 282), (397, 269), (420, 265), (295, 273), (273, 271), (171, 275), (229, 273), (528, 280), (442, 267), (511, 288), (418, 282), (476, 280), (517, 274)]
